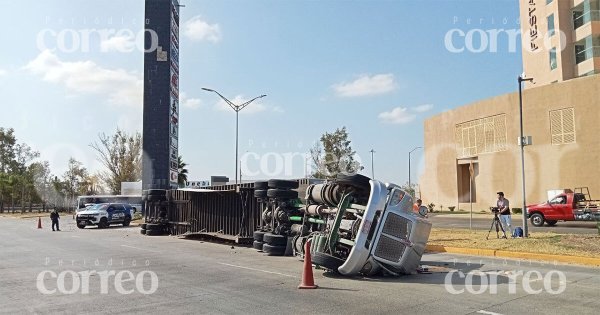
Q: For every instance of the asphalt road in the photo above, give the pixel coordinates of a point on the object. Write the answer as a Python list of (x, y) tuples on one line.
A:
[(484, 223), (207, 278)]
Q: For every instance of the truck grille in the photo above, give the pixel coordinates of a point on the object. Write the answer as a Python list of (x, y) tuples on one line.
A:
[(397, 226), (389, 249)]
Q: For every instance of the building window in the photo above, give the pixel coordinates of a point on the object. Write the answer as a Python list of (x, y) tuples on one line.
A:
[(553, 63), (484, 135), (548, 1), (586, 12), (551, 25), (587, 48), (562, 126)]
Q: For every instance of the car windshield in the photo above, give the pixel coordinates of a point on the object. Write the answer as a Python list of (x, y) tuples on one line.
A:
[(101, 206)]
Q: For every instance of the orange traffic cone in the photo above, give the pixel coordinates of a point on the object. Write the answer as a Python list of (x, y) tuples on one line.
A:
[(39, 222), (308, 281)]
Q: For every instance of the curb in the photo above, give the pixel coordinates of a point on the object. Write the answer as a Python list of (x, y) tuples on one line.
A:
[(577, 260)]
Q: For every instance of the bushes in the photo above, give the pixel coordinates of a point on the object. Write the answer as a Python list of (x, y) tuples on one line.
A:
[(451, 208), (517, 210)]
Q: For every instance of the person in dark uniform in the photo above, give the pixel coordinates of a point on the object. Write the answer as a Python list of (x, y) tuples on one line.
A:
[(54, 216)]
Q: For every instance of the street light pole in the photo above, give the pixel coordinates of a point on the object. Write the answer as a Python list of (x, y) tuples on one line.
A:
[(237, 109), (372, 164), (409, 182), (522, 144)]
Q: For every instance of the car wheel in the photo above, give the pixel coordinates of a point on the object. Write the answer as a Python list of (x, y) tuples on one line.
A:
[(259, 236), (273, 250), (126, 221), (537, 219), (327, 261), (260, 193), (274, 239), (551, 222), (282, 194), (257, 245), (283, 184), (143, 231), (103, 224), (81, 226)]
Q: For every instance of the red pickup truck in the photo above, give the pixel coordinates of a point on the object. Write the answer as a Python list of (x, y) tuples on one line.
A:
[(567, 206)]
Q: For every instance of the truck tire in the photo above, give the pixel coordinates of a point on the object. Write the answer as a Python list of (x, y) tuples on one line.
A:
[(356, 180), (261, 185), (274, 239), (283, 184), (257, 245), (259, 236), (537, 219), (153, 232), (282, 194), (273, 250), (260, 193), (551, 222), (143, 231), (157, 198), (153, 227), (143, 226), (327, 261)]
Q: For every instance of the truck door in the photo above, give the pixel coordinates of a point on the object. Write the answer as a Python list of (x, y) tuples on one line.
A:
[(558, 208)]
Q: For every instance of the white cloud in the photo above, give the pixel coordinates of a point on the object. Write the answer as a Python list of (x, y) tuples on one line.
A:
[(398, 115), (198, 30), (86, 77), (120, 43), (192, 103), (422, 108), (3, 72), (366, 85)]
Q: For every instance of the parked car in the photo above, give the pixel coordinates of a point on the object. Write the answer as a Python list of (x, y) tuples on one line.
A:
[(566, 206), (105, 214)]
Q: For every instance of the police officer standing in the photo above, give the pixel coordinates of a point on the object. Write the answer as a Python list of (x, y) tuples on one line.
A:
[(54, 216)]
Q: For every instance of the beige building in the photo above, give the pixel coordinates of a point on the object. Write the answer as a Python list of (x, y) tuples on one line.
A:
[(561, 39), (564, 122)]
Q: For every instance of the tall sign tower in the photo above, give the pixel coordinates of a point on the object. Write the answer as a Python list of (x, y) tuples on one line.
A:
[(161, 95)]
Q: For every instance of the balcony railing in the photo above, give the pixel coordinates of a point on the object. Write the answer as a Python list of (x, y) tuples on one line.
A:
[(586, 17), (586, 54)]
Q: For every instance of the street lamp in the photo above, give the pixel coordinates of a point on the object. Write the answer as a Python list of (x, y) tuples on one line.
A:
[(372, 164), (409, 183), (522, 79), (237, 109)]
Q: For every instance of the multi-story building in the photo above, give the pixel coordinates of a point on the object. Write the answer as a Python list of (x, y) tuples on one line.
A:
[(561, 39), (473, 151)]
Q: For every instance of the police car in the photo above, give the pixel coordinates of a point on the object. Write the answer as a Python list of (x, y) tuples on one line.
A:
[(105, 214)]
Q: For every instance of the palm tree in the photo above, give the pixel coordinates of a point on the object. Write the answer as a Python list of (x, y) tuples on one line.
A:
[(183, 172)]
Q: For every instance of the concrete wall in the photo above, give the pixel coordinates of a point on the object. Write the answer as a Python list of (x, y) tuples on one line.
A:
[(547, 166)]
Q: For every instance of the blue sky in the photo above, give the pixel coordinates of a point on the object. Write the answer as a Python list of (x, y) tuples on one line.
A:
[(380, 68)]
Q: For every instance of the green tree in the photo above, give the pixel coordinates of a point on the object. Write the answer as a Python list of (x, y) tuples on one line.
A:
[(121, 156), (182, 177), (334, 155), (74, 181)]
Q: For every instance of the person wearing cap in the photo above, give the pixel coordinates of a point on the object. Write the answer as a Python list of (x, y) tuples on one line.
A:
[(504, 209)]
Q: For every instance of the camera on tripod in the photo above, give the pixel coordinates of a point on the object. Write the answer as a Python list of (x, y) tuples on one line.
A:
[(496, 223), (495, 210)]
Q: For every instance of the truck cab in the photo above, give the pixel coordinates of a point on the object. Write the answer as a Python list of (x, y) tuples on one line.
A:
[(567, 206)]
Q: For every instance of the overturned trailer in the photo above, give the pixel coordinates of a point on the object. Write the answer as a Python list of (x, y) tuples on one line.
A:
[(354, 225)]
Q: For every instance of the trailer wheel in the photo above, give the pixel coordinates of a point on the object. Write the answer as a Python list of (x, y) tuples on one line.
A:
[(282, 194), (143, 231), (283, 184), (261, 185), (327, 261), (274, 239), (537, 219), (273, 250), (153, 227), (260, 193), (157, 198), (157, 192), (551, 222), (259, 236), (154, 232), (257, 245), (143, 226)]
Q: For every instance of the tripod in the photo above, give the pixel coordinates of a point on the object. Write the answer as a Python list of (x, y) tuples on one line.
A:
[(498, 224)]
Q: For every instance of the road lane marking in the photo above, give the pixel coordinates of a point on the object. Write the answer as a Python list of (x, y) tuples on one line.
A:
[(260, 270), (154, 251), (488, 313)]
